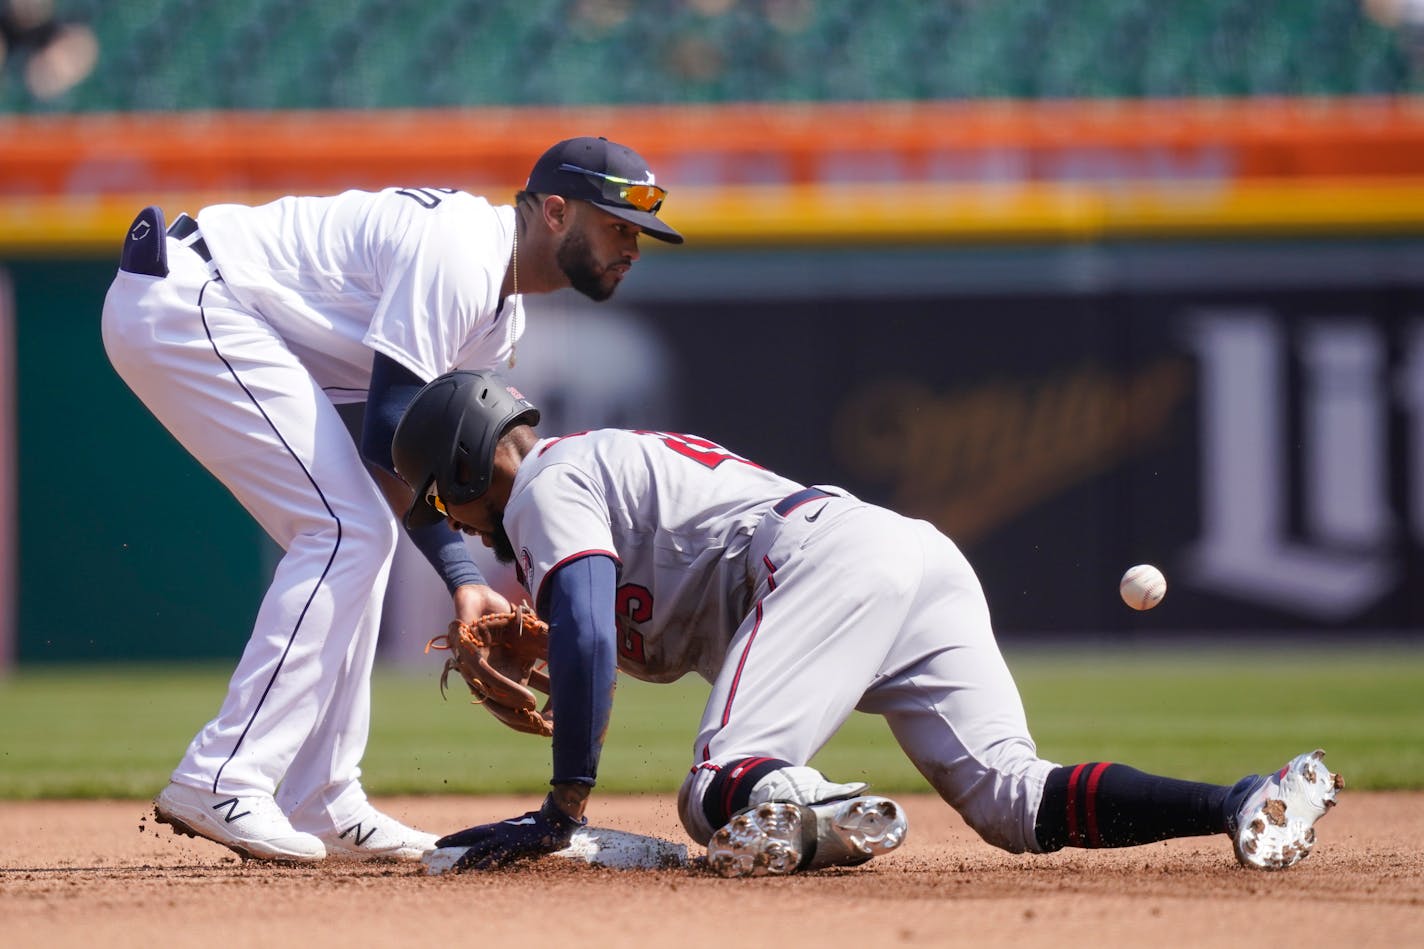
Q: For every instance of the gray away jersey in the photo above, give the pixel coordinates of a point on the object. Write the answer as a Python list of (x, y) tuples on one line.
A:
[(676, 511)]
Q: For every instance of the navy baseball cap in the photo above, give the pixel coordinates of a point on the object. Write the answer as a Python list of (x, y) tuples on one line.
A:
[(606, 174)]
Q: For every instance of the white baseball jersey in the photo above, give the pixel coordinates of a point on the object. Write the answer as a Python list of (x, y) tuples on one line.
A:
[(677, 512), (413, 273)]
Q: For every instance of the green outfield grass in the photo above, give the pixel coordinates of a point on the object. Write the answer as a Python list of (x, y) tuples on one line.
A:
[(116, 731)]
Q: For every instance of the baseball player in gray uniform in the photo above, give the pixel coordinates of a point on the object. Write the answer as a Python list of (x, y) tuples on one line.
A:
[(241, 331), (663, 554)]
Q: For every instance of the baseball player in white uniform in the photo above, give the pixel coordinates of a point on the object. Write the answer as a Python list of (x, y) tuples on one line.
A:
[(663, 554), (241, 331)]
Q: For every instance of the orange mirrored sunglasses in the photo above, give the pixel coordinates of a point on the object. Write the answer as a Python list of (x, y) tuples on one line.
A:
[(639, 194)]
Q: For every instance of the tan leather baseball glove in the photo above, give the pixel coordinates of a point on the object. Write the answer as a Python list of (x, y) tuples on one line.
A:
[(502, 657)]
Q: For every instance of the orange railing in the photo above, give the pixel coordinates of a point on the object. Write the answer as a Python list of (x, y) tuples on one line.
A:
[(864, 171)]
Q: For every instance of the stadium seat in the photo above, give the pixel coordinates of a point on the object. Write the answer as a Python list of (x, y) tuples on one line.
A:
[(187, 54)]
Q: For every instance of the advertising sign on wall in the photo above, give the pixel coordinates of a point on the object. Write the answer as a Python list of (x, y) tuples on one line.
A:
[(1248, 418), (1260, 436)]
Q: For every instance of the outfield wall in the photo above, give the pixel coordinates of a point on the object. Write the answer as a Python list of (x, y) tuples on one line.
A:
[(1248, 416)]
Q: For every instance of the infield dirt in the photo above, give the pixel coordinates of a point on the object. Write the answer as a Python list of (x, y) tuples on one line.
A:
[(86, 873)]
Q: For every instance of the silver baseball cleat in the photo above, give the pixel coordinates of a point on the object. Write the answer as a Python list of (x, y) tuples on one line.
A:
[(777, 838), (1275, 826)]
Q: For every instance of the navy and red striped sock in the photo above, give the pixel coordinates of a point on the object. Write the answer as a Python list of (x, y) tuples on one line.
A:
[(729, 790), (1101, 804)]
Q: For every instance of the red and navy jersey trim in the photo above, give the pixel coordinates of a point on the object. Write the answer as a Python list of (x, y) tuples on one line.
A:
[(544, 583)]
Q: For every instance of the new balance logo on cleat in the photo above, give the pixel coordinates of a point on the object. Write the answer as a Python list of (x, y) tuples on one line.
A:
[(357, 838), (375, 836), (231, 805)]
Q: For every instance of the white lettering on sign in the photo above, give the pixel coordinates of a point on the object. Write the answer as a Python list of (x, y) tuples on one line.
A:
[(1324, 458)]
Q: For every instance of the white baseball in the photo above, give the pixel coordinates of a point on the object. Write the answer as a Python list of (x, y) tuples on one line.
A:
[(1143, 587)]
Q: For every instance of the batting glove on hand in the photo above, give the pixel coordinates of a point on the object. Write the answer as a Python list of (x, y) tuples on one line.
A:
[(494, 845)]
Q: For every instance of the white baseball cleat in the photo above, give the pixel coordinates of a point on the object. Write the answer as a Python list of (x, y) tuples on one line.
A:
[(1275, 826), (777, 837), (250, 825), (376, 836)]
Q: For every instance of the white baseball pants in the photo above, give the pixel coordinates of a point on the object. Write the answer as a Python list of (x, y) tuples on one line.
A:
[(295, 719)]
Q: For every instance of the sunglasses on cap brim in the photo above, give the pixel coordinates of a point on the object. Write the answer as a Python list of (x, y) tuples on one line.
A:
[(639, 194)]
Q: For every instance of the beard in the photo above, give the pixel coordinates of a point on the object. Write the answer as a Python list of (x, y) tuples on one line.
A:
[(585, 276), (500, 543)]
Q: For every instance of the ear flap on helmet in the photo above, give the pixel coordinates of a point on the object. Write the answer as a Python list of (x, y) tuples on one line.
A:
[(448, 434)]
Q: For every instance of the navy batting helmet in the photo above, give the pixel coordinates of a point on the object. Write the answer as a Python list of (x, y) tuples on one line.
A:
[(444, 445)]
